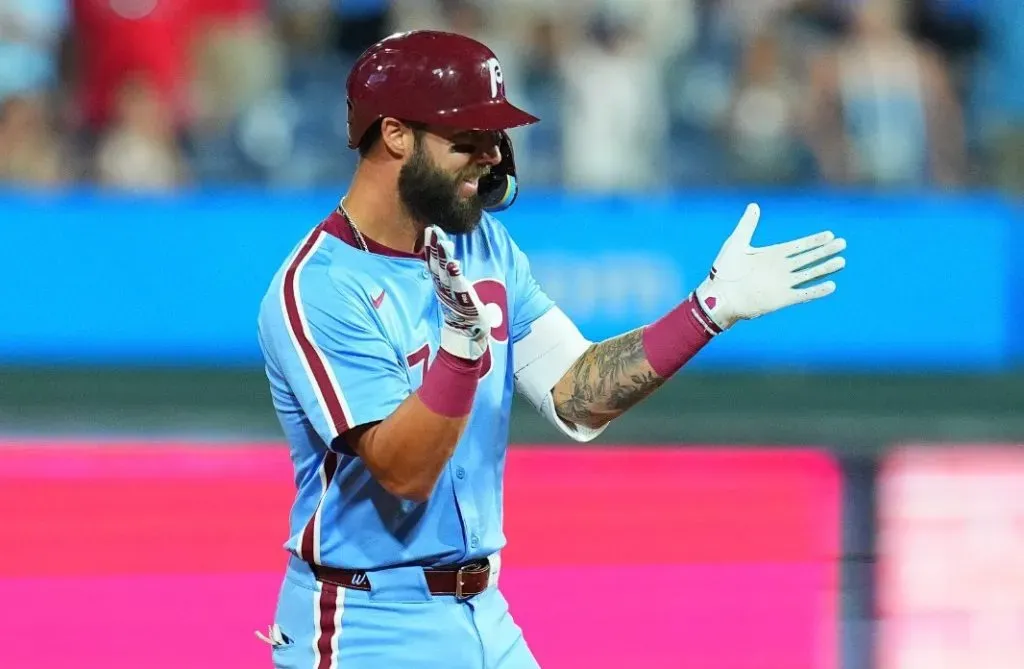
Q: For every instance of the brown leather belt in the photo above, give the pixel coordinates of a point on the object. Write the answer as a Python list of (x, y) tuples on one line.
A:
[(462, 582)]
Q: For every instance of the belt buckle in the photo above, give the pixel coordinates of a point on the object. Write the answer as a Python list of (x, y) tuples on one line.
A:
[(460, 582)]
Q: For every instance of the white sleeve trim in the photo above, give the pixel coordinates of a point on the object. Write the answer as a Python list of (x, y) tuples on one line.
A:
[(543, 357)]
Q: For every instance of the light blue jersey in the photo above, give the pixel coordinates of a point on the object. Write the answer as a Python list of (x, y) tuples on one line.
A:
[(347, 335)]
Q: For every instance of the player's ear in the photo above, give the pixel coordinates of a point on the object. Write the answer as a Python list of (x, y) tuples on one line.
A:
[(396, 136)]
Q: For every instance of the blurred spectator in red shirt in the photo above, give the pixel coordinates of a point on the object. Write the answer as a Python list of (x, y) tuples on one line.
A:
[(115, 39)]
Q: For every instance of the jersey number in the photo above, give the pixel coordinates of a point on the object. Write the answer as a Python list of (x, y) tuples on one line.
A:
[(421, 356)]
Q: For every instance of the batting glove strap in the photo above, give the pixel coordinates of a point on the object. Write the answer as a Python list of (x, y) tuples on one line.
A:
[(468, 344)]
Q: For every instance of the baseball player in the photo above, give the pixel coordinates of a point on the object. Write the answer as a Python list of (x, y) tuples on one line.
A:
[(394, 336)]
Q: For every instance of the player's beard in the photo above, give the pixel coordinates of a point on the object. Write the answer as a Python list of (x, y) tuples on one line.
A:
[(431, 196)]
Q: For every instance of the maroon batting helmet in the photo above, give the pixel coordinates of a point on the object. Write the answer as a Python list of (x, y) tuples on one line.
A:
[(430, 77)]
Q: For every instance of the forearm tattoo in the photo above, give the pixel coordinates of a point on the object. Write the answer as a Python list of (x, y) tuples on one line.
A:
[(609, 378)]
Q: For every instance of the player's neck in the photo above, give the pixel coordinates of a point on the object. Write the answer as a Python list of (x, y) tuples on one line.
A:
[(379, 214)]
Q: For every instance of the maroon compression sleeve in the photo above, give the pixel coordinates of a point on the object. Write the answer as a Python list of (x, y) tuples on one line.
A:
[(677, 336), (450, 384)]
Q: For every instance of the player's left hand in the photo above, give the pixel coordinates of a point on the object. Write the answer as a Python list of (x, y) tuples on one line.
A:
[(747, 282), (466, 329)]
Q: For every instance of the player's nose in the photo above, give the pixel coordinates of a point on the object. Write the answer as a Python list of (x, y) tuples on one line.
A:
[(490, 155)]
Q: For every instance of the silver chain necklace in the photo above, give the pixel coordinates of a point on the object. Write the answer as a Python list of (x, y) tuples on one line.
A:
[(351, 224), (362, 242)]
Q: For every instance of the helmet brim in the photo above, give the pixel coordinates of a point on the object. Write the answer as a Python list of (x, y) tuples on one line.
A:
[(495, 114)]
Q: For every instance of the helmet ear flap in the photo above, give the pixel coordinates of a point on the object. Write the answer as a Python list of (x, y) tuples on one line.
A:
[(499, 187)]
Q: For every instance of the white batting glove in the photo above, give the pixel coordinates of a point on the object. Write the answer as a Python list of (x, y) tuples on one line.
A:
[(465, 333), (747, 282)]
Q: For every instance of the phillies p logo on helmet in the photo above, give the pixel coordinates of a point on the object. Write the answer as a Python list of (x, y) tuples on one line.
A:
[(494, 68), (396, 77)]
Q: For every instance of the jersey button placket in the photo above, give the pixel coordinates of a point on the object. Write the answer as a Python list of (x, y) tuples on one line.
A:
[(467, 511)]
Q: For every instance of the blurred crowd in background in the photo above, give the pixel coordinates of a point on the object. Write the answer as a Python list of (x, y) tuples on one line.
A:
[(633, 94)]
